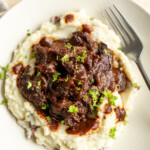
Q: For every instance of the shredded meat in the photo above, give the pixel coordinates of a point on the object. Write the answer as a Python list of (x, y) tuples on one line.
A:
[(87, 64)]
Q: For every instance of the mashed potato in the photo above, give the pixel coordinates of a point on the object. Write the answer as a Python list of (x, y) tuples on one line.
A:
[(26, 113)]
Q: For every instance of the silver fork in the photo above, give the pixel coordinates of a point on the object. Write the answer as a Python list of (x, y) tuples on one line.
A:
[(130, 42)]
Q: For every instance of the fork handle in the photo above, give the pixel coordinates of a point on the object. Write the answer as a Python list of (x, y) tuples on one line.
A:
[(143, 72)]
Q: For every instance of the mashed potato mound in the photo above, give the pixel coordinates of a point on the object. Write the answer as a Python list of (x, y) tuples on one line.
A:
[(26, 113)]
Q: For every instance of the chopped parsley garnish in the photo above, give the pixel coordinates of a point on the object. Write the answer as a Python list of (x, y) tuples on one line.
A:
[(94, 96), (38, 74), (62, 121), (91, 19), (80, 58), (45, 106), (66, 80), (73, 109), (25, 117), (28, 32), (135, 84), (65, 58), (84, 53), (33, 54), (112, 132), (102, 100), (78, 89), (20, 55), (85, 96), (71, 62), (2, 75), (74, 50), (117, 86), (106, 52), (74, 78), (48, 118), (93, 80), (119, 48), (29, 85), (25, 57), (55, 76), (3, 102), (92, 108), (125, 121), (20, 62), (5, 68), (68, 45), (102, 80), (77, 68), (111, 97), (80, 83), (57, 57), (38, 84)]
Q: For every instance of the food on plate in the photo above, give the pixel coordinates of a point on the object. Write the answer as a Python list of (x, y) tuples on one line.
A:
[(69, 85)]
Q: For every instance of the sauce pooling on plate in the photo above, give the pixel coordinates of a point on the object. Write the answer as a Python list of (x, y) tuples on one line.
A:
[(69, 79)]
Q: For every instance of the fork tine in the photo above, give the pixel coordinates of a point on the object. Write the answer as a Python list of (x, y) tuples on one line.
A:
[(128, 25), (117, 28), (120, 24)]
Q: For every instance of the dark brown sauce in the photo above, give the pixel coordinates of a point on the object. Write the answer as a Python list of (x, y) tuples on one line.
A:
[(53, 124), (69, 18), (120, 113), (107, 109), (83, 127), (18, 68)]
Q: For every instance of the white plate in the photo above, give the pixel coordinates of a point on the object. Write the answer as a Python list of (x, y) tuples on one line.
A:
[(29, 14)]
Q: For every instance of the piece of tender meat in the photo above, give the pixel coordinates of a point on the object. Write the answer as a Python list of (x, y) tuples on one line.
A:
[(46, 42), (59, 109), (32, 94)]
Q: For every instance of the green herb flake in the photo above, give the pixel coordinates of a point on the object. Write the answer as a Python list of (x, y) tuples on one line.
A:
[(45, 106), (6, 68), (73, 109), (102, 80), (74, 78), (38, 74), (80, 58), (65, 58), (125, 121), (57, 57), (91, 19), (112, 132), (33, 54), (48, 118), (85, 96), (77, 68), (80, 83), (66, 80), (55, 76), (106, 52), (117, 86), (26, 117), (91, 107), (62, 121), (135, 84), (4, 102), (119, 48), (111, 97), (94, 96), (2, 75), (78, 89), (29, 85), (20, 55), (20, 62), (68, 46), (28, 32), (71, 62), (102, 100), (38, 84), (25, 57), (93, 80), (84, 53), (74, 50)]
